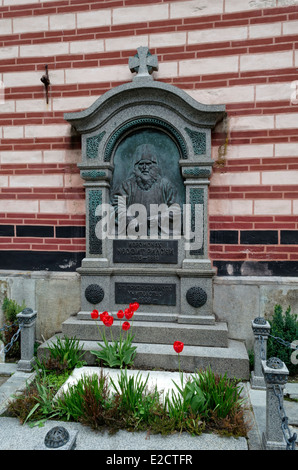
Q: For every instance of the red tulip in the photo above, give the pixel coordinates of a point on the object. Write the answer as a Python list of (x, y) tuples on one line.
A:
[(178, 346), (120, 314), (103, 315), (128, 313), (126, 326), (108, 320), (134, 306), (94, 314)]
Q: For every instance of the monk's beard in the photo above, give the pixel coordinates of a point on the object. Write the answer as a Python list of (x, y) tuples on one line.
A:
[(145, 182)]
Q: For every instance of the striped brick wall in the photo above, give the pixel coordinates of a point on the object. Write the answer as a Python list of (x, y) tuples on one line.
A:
[(242, 53)]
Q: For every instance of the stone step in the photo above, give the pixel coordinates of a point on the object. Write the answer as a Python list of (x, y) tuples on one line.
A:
[(232, 360), (140, 316), (158, 332), (161, 317)]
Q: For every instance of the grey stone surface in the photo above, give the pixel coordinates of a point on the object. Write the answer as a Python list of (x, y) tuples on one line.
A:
[(23, 290), (14, 436), (53, 304), (27, 322), (261, 294), (143, 63), (231, 360), (276, 375), (257, 381), (159, 332), (137, 91), (258, 403), (15, 383), (238, 304), (284, 293), (8, 368), (3, 379), (55, 295), (291, 409), (261, 330), (67, 300), (291, 390), (257, 399)]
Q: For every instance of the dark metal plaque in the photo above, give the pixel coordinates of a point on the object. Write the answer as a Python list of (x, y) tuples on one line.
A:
[(145, 251), (145, 293)]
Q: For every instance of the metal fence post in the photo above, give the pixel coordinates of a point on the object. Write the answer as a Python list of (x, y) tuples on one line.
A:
[(276, 376), (27, 321), (261, 330)]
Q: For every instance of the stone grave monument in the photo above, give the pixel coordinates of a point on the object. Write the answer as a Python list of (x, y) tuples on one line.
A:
[(146, 164)]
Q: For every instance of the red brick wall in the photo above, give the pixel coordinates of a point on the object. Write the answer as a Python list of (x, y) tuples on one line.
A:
[(238, 52)]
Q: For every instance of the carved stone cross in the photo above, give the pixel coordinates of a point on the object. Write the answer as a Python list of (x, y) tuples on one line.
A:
[(143, 63)]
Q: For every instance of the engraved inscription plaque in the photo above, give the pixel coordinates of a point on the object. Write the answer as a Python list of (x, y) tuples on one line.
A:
[(145, 293), (145, 251)]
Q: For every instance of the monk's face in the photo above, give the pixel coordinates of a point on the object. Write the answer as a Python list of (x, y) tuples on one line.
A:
[(144, 166), (146, 169)]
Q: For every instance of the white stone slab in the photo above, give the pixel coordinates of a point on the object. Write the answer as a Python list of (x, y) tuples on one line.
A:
[(164, 381)]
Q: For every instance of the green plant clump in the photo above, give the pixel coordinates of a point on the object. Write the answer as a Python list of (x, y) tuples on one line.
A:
[(10, 310), (214, 399), (205, 401), (37, 404), (88, 401), (119, 352), (64, 354), (285, 327)]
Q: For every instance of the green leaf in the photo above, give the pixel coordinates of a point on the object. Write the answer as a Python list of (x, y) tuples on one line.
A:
[(31, 412)]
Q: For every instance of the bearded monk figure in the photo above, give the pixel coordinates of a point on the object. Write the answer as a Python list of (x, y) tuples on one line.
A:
[(146, 186)]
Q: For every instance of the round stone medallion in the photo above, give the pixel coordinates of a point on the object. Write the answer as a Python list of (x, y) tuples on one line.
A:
[(94, 293), (56, 437), (196, 297)]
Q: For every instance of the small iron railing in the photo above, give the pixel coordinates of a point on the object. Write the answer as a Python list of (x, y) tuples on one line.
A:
[(271, 375)]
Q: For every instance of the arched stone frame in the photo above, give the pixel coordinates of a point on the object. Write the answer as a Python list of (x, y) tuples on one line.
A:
[(169, 144), (144, 122), (132, 106)]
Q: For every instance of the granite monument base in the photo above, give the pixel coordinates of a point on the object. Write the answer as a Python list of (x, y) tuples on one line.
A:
[(175, 294)]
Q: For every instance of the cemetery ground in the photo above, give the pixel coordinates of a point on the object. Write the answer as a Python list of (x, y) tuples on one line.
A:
[(136, 406), (134, 399), (157, 409), (115, 398), (135, 416)]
